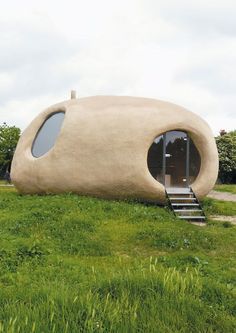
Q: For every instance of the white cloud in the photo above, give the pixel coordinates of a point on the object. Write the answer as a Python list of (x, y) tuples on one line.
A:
[(181, 51)]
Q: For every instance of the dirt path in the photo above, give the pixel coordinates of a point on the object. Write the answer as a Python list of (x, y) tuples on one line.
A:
[(225, 196), (223, 218)]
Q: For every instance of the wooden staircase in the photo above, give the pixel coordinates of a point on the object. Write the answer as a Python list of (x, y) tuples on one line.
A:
[(185, 204)]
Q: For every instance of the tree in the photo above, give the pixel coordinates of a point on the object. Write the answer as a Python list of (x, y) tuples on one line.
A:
[(226, 144), (9, 136)]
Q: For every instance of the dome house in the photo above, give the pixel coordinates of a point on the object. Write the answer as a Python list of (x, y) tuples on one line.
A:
[(116, 147)]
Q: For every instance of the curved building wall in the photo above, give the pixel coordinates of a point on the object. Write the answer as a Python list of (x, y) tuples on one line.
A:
[(102, 147)]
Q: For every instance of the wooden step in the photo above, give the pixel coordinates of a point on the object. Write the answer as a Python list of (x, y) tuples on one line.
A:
[(191, 217), (187, 210), (184, 190), (181, 198), (184, 204), (179, 192), (172, 196)]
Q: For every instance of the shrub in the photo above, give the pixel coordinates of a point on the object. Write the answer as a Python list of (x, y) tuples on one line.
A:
[(226, 145)]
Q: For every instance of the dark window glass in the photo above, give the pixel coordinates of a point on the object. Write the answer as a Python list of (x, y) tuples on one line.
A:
[(194, 162), (174, 160), (155, 159), (176, 154), (47, 134)]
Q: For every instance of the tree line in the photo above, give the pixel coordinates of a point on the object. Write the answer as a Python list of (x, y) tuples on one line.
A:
[(226, 144), (9, 136)]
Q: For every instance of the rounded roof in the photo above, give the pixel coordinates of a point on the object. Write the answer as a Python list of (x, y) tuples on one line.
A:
[(103, 145)]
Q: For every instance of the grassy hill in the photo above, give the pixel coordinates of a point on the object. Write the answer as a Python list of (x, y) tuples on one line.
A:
[(77, 264)]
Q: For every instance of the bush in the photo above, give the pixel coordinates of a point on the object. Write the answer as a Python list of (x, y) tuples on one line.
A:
[(226, 144), (9, 136)]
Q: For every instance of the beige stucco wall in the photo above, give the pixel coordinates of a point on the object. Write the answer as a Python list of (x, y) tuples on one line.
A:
[(103, 145)]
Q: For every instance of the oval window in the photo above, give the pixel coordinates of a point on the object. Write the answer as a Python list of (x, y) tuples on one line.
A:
[(47, 134)]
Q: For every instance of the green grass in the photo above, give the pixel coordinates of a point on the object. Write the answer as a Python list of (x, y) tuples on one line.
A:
[(219, 207), (231, 188), (3, 182), (77, 264)]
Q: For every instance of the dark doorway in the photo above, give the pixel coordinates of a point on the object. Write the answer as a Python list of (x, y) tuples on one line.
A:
[(173, 159)]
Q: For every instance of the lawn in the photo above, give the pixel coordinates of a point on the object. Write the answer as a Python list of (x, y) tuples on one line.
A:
[(226, 188), (219, 207), (77, 264)]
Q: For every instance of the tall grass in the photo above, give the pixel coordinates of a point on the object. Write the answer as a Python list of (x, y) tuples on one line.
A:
[(76, 264), (145, 298)]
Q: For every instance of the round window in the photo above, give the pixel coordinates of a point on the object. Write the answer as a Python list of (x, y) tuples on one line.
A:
[(174, 160), (47, 134)]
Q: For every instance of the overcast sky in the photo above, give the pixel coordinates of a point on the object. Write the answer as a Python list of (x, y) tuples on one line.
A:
[(183, 51)]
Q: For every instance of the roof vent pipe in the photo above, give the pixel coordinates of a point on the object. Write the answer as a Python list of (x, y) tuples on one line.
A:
[(73, 94)]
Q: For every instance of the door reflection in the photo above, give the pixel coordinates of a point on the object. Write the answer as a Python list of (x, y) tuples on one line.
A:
[(175, 154)]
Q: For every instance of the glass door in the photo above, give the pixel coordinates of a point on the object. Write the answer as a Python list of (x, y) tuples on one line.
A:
[(173, 159), (176, 153)]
